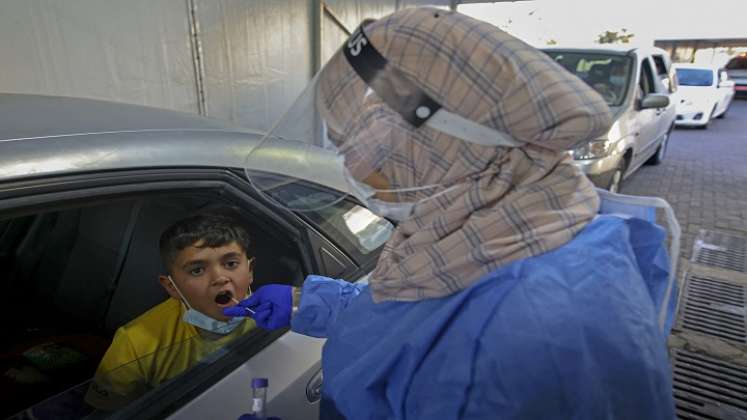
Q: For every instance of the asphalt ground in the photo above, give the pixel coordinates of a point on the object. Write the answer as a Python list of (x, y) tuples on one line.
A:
[(703, 177)]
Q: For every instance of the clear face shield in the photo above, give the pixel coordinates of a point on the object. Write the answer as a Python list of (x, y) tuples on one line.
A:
[(353, 130)]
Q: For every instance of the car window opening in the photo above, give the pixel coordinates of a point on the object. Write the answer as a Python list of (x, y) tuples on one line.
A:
[(96, 268)]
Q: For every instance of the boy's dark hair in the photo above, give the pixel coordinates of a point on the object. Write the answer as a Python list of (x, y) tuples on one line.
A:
[(214, 230)]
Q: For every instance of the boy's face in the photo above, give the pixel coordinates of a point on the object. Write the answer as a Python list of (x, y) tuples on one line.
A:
[(203, 273)]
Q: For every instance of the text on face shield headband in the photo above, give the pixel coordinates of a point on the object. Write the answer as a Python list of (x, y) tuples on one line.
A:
[(408, 100)]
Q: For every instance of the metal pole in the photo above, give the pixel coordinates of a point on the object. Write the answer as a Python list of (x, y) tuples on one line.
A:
[(198, 61), (327, 11), (316, 36), (714, 45), (695, 51)]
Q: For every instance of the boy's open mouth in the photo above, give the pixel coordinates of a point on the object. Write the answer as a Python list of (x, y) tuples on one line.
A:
[(224, 298)]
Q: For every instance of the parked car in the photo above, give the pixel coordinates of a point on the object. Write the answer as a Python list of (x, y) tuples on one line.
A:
[(736, 68), (86, 188), (705, 93), (636, 83)]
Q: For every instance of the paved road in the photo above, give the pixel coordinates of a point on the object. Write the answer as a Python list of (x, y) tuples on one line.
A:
[(703, 176)]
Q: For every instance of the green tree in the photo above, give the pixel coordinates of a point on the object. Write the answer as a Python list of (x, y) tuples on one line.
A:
[(611, 37), (551, 42)]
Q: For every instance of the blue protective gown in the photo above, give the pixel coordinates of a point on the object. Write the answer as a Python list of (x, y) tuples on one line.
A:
[(570, 334)]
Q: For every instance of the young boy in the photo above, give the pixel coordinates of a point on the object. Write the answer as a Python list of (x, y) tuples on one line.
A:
[(208, 263)]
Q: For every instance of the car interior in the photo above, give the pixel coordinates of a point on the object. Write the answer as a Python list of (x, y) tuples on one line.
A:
[(599, 73), (596, 72), (598, 78), (75, 275)]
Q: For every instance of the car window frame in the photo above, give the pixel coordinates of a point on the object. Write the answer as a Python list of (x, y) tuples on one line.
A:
[(665, 72), (14, 194), (646, 75), (659, 64), (27, 196)]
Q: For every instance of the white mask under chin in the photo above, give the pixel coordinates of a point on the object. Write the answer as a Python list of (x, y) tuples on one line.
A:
[(395, 211), (365, 194), (196, 318), (392, 210)]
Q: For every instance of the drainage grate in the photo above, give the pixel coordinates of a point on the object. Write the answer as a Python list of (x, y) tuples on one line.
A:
[(720, 250), (707, 388), (714, 307)]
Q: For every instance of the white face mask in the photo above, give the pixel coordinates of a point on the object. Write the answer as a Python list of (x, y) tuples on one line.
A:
[(395, 211), (198, 319), (392, 210)]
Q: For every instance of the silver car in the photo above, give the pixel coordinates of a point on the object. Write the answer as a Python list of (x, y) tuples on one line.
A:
[(636, 83), (86, 187)]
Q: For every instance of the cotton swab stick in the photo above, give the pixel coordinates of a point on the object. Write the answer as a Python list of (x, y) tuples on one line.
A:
[(237, 302)]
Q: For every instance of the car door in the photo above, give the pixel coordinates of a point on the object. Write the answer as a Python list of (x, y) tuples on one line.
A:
[(90, 256), (95, 235), (647, 120)]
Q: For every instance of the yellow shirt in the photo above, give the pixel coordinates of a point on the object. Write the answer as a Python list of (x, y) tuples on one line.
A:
[(149, 350)]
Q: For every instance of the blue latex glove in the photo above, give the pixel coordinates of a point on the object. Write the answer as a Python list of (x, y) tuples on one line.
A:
[(272, 305)]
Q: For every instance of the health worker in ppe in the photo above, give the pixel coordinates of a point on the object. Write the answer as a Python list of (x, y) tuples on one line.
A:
[(502, 292)]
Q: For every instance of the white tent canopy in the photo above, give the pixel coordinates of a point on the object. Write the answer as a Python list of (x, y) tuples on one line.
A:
[(243, 61)]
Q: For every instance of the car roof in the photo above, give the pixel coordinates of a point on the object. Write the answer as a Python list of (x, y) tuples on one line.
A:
[(621, 49), (49, 135), (607, 49), (695, 66)]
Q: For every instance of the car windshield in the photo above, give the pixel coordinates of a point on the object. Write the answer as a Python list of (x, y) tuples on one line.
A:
[(695, 77), (608, 74), (737, 63)]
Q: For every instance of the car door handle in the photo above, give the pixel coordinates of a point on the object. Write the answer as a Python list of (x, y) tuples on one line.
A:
[(314, 387)]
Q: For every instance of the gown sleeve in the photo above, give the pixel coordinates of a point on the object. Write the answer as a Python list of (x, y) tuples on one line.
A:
[(322, 300)]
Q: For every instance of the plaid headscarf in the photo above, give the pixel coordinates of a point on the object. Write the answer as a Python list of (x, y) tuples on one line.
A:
[(503, 204)]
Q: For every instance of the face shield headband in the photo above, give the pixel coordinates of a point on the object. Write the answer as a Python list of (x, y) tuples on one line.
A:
[(412, 103)]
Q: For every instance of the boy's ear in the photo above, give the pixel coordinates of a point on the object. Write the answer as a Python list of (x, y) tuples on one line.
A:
[(251, 269), (169, 287)]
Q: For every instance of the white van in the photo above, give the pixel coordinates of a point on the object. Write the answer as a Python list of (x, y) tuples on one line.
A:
[(636, 83)]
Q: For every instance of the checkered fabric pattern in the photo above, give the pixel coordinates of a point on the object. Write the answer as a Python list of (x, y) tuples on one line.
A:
[(497, 204)]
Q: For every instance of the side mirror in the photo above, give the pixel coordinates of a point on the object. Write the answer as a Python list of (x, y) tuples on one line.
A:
[(654, 100)]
